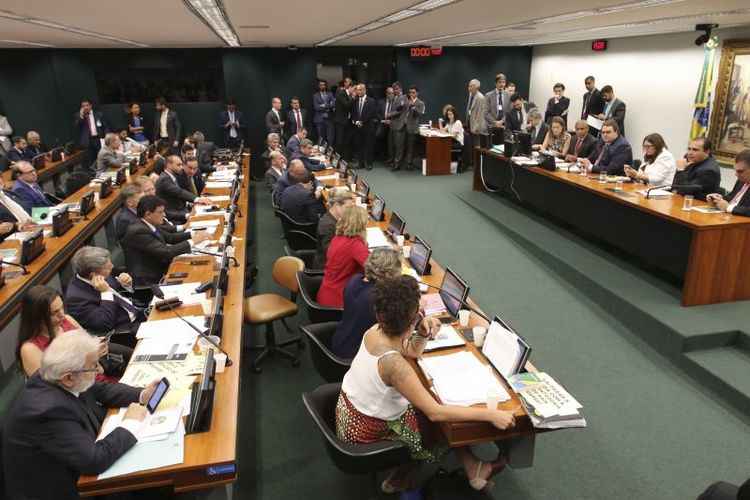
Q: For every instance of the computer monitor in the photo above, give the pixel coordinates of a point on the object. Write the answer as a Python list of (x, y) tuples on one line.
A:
[(452, 289), (363, 189), (39, 161), (523, 141), (419, 256), (217, 313), (378, 207), (396, 225), (202, 398), (121, 176), (505, 349), (106, 188), (61, 222)]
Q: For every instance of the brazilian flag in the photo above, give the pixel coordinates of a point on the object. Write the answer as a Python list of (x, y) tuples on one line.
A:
[(703, 96)]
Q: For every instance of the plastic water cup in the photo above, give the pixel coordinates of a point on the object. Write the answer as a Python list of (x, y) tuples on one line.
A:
[(602, 177), (221, 361), (687, 202), (463, 317), (407, 251), (618, 185), (479, 333), (400, 240), (96, 197), (353, 188), (493, 398), (207, 306)]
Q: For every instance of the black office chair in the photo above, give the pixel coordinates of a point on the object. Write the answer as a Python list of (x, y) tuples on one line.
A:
[(309, 284), (289, 224), (329, 366), (350, 458), (301, 245), (76, 180)]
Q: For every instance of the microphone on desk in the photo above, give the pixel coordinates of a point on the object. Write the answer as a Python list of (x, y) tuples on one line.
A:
[(195, 250), (668, 187), (23, 268), (201, 333)]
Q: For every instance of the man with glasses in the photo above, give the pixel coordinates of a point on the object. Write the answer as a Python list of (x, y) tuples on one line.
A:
[(26, 187), (50, 432)]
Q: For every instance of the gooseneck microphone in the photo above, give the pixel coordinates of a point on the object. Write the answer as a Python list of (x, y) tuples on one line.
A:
[(195, 250), (21, 266)]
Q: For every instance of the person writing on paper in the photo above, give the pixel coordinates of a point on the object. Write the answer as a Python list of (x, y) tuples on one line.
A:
[(359, 296), (557, 140), (346, 256), (537, 128), (738, 200), (452, 125), (611, 154), (582, 145), (49, 437), (698, 173), (338, 199), (382, 397), (658, 166)]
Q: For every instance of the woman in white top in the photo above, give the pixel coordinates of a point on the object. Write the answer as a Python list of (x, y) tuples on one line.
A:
[(451, 125), (382, 397), (658, 166)]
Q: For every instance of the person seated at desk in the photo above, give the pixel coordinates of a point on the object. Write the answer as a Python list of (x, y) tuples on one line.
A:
[(698, 173), (160, 159), (34, 146), (305, 155), (97, 300), (128, 145), (204, 152), (26, 188), (136, 124), (149, 249), (174, 195), (272, 144), (738, 200), (453, 125), (50, 432), (338, 200), (613, 152), (13, 217), (110, 156), (582, 145), (298, 168), (557, 140), (275, 170), (301, 200), (382, 397), (132, 193), (192, 177), (18, 151), (359, 313), (294, 142), (346, 256), (537, 128), (658, 166)]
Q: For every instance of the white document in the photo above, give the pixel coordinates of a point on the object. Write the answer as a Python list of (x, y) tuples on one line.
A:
[(461, 379), (218, 198), (656, 193), (594, 122), (330, 177), (446, 337), (150, 455), (219, 184), (502, 349), (162, 349), (172, 328), (707, 210), (207, 223), (184, 291), (376, 238)]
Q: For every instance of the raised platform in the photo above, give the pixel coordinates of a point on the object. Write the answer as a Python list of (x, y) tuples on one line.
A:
[(710, 343)]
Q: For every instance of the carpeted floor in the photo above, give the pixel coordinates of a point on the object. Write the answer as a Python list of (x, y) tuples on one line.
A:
[(653, 433)]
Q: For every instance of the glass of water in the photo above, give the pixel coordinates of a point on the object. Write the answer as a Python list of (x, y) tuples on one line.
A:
[(602, 177), (618, 185), (687, 202)]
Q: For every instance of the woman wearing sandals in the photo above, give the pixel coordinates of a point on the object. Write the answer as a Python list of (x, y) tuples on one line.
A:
[(382, 397)]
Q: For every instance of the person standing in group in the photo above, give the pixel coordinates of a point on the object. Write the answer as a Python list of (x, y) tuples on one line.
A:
[(414, 111), (341, 114), (324, 104), (274, 121), (296, 117), (384, 127), (232, 123), (167, 126), (136, 124), (497, 105), (476, 123), (557, 105), (90, 128), (397, 119), (364, 120)]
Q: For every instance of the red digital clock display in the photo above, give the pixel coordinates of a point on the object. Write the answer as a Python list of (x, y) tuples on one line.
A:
[(424, 52), (599, 45)]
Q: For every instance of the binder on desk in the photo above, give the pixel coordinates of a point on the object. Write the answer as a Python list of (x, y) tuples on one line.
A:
[(505, 349)]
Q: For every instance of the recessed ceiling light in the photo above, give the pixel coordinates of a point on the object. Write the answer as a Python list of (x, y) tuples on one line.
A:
[(255, 27), (213, 15)]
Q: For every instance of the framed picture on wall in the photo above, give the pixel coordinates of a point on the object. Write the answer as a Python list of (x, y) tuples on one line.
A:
[(730, 120)]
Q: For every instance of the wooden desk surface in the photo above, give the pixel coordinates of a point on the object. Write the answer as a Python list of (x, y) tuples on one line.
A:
[(51, 168), (463, 433), (217, 447), (58, 250), (667, 208)]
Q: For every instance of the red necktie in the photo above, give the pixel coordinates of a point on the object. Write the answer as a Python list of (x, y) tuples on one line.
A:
[(299, 120), (579, 143)]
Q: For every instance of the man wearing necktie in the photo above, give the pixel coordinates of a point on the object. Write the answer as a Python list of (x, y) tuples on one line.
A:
[(476, 121), (323, 104), (192, 174), (13, 217), (295, 117), (384, 127), (738, 200), (364, 119), (613, 153), (27, 189), (232, 123), (583, 143)]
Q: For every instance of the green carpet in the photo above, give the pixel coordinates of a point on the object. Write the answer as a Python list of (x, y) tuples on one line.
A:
[(653, 433)]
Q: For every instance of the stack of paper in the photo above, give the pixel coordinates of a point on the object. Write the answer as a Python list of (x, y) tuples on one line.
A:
[(223, 184), (461, 379), (173, 328), (205, 223), (327, 178), (656, 193), (547, 403), (446, 337), (184, 291), (432, 304), (376, 238)]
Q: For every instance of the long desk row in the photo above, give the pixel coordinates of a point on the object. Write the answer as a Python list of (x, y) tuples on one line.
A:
[(462, 433), (701, 251), (58, 249), (52, 170), (209, 457)]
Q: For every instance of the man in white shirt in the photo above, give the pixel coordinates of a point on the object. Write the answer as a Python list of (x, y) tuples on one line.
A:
[(738, 200), (12, 215), (167, 126)]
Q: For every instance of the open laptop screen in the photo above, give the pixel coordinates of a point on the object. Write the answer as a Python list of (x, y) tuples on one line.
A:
[(452, 289)]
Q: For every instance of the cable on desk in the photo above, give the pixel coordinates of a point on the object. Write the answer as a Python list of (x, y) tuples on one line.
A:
[(497, 190)]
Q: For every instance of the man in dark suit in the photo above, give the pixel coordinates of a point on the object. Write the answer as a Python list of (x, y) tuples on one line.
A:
[(613, 108), (274, 121), (305, 156), (582, 144), (167, 126), (13, 217), (204, 151), (323, 105), (174, 195), (738, 200), (365, 120), (18, 151), (612, 153), (297, 168), (296, 117), (498, 104), (131, 194), (292, 145), (397, 121), (344, 101), (192, 177), (233, 125), (34, 146), (557, 105), (414, 112), (300, 200), (97, 300), (383, 134), (517, 117), (537, 128), (26, 188), (90, 126), (49, 437), (148, 249), (698, 174), (593, 104)]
